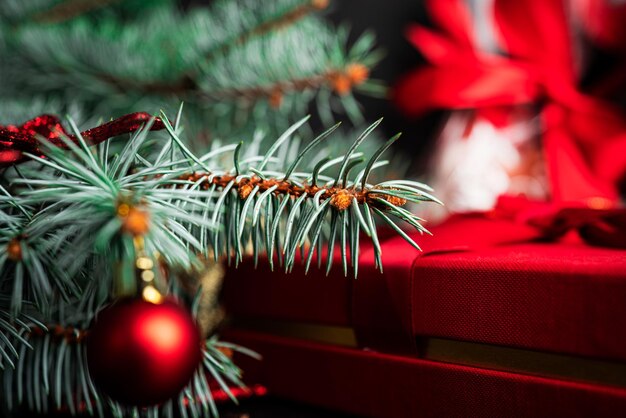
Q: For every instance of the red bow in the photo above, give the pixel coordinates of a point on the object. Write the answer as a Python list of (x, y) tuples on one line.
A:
[(599, 227), (15, 140), (584, 137)]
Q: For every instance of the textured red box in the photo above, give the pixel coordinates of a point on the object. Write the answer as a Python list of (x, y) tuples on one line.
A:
[(372, 384), (477, 282), (484, 282)]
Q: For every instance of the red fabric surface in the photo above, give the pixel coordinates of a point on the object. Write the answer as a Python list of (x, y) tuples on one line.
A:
[(476, 283), (479, 279), (380, 385), (262, 293), (382, 305), (566, 298), (328, 300)]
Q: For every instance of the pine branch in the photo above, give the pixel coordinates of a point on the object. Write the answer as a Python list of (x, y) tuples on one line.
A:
[(12, 331), (22, 262), (340, 198), (273, 23), (197, 208), (69, 9), (340, 80), (58, 12), (193, 206), (266, 63), (78, 209), (186, 81)]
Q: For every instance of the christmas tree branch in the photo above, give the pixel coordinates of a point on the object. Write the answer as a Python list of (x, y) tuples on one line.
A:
[(195, 206), (13, 327), (69, 9), (339, 80), (277, 194), (286, 18), (78, 209), (263, 77), (71, 215)]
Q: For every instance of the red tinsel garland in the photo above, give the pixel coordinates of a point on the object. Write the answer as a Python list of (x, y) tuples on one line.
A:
[(16, 140)]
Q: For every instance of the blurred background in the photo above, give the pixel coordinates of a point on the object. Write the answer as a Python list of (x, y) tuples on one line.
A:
[(512, 151), (494, 99), (523, 100), (388, 21)]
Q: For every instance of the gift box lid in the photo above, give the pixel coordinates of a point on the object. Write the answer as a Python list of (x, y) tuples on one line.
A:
[(482, 280), (478, 280)]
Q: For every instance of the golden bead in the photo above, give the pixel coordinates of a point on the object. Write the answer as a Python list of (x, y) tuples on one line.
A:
[(147, 275), (144, 263), (152, 295)]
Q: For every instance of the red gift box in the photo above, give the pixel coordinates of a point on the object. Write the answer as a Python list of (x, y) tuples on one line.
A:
[(487, 316)]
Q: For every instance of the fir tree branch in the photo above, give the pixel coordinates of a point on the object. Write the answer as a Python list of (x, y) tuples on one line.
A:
[(305, 58), (190, 202), (186, 83), (287, 18), (12, 330), (77, 210), (69, 9), (341, 81), (341, 198)]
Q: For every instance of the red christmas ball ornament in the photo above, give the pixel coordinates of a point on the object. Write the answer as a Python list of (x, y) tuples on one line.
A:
[(142, 354)]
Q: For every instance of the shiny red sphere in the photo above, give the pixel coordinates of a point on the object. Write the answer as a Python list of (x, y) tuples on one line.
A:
[(143, 354)]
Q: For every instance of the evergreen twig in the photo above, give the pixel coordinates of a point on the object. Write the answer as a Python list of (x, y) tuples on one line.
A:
[(287, 18), (69, 9), (75, 211)]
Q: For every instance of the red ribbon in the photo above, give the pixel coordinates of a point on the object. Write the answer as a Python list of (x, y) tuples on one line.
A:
[(15, 140), (598, 227), (584, 136)]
